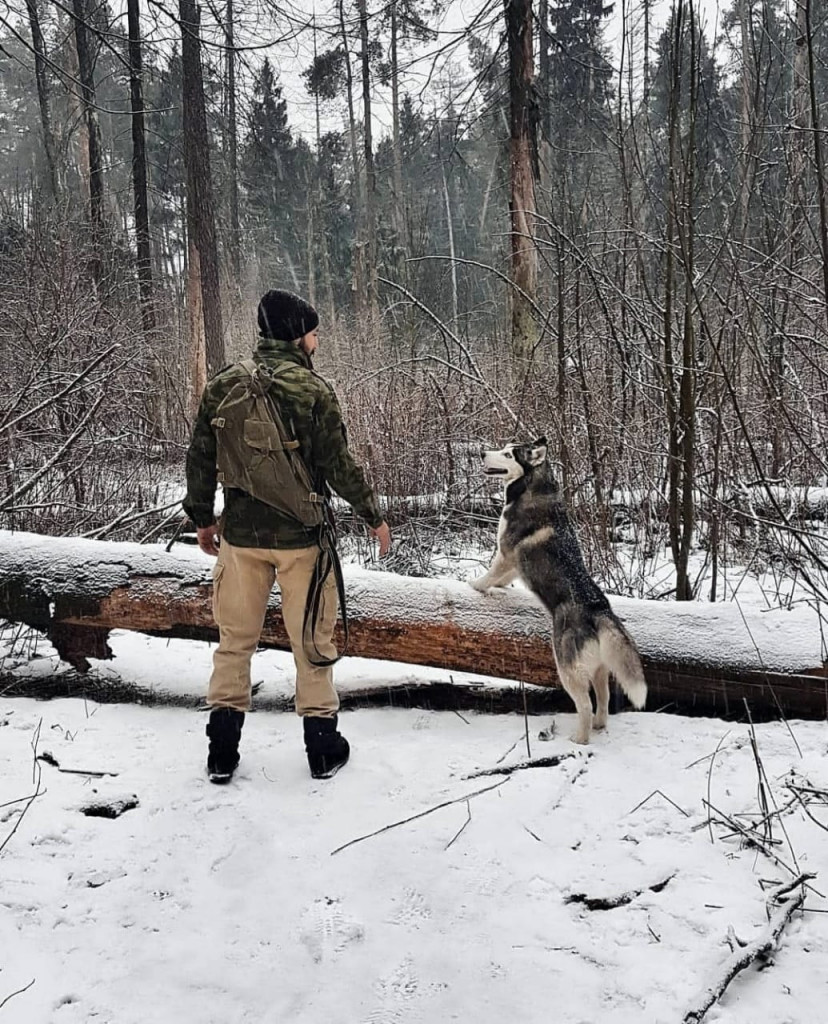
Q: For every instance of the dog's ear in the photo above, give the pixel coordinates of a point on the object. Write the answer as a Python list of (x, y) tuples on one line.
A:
[(537, 453)]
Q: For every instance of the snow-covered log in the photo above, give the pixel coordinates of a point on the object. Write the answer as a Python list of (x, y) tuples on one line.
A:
[(697, 656)]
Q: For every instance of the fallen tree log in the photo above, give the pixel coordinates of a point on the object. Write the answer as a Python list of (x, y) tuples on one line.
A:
[(698, 657)]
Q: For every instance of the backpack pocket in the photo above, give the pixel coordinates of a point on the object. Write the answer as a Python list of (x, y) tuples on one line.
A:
[(262, 436)]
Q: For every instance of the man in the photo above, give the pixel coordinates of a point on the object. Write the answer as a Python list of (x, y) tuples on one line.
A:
[(260, 542)]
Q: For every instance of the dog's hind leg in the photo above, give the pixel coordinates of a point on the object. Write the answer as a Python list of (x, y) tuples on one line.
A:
[(600, 683), (576, 683)]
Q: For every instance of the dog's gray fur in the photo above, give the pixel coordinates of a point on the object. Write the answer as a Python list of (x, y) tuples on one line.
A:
[(536, 541)]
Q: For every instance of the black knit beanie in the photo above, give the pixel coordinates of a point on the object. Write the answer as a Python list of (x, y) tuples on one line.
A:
[(286, 317)]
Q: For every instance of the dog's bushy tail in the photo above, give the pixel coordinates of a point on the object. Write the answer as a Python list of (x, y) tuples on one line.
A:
[(619, 654)]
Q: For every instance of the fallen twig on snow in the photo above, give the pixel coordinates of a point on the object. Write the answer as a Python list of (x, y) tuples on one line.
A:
[(422, 814), (36, 779), (798, 794), (751, 839), (706, 757), (19, 992), (657, 792), (806, 794), (781, 910), (91, 774), (538, 762), (503, 757), (710, 782), (766, 792), (50, 759), (460, 831), (613, 902)]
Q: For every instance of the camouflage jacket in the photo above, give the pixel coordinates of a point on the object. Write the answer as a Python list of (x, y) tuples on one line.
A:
[(311, 412)]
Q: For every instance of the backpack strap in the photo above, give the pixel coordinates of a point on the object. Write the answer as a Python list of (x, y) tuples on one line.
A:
[(327, 561)]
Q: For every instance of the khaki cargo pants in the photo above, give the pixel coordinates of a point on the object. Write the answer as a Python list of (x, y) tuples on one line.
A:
[(242, 581)]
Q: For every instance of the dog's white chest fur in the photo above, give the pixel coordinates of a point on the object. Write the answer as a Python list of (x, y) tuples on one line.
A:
[(501, 527)]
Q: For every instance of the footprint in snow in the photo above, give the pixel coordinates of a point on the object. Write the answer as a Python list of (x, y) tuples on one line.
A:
[(398, 993), (412, 910), (327, 930)]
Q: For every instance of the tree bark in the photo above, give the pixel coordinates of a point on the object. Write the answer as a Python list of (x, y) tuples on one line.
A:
[(370, 239), (322, 233), (231, 140), (139, 168), (671, 237), (201, 228), (49, 145), (359, 268), (522, 201), (747, 139), (398, 209), (93, 128), (702, 657), (455, 297), (687, 388), (819, 157)]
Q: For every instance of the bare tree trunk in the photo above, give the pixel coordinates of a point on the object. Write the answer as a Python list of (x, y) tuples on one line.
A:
[(232, 147), (95, 149), (455, 304), (322, 234), (522, 202), (647, 10), (398, 207), (370, 173), (671, 231), (795, 226), (42, 80), (311, 240), (455, 299), (77, 590), (545, 140), (687, 390), (560, 354), (196, 343), (139, 168), (748, 133), (819, 157), (359, 267), (204, 303)]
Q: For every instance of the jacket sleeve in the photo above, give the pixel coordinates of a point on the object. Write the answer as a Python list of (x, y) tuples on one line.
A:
[(332, 457), (201, 469)]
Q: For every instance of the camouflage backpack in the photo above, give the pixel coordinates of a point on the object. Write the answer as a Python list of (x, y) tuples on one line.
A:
[(255, 453)]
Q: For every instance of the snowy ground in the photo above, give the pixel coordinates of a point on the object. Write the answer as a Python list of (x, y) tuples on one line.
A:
[(206, 904)]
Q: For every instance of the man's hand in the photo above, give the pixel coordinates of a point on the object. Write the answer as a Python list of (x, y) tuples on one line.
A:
[(383, 535), (208, 539)]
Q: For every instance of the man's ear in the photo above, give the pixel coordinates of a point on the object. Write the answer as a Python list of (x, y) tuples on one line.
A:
[(537, 453)]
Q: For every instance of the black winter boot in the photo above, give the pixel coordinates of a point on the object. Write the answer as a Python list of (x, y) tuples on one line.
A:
[(327, 749), (224, 730)]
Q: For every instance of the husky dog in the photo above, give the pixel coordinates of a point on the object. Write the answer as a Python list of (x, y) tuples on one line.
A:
[(536, 541)]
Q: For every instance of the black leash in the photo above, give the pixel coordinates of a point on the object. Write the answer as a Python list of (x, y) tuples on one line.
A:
[(327, 561)]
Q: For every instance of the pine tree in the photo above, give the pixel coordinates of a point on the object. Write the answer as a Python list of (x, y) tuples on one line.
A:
[(274, 172)]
